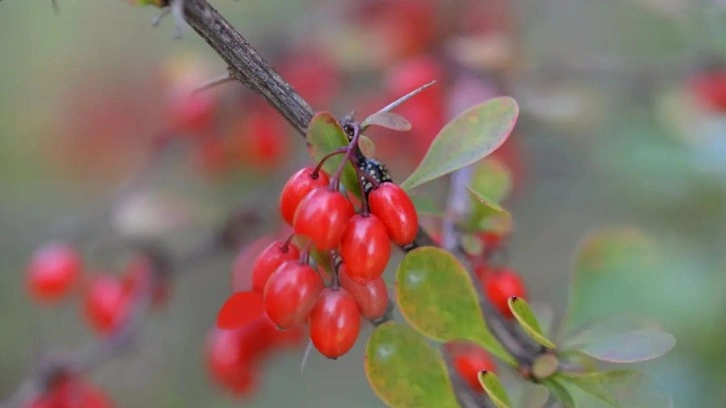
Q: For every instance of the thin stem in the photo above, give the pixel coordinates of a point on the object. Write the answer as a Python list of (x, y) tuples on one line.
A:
[(325, 158), (286, 246), (350, 152), (214, 82), (335, 284)]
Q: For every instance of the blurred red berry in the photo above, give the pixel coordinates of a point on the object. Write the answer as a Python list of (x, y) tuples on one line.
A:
[(371, 297), (500, 285), (107, 303), (469, 360), (52, 272)]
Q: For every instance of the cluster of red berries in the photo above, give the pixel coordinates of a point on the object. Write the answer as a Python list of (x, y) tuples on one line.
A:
[(293, 290), (71, 391), (56, 270)]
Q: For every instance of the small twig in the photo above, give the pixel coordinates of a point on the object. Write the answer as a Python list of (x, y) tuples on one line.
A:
[(222, 79)]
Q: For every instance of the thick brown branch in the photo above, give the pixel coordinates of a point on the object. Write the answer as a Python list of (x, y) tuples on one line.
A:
[(246, 64)]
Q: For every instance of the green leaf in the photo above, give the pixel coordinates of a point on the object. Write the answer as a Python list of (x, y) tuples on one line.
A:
[(534, 395), (494, 389), (561, 393), (630, 347), (521, 311), (468, 138), (492, 179), (405, 371), (437, 297), (610, 270), (616, 388), (325, 136)]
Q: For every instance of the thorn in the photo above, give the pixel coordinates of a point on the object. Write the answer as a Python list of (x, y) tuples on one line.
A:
[(156, 20), (393, 105), (308, 349), (222, 79)]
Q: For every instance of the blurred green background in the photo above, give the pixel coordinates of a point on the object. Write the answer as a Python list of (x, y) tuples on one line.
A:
[(607, 138)]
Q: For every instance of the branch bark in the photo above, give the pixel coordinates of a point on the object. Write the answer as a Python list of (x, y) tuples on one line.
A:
[(246, 64)]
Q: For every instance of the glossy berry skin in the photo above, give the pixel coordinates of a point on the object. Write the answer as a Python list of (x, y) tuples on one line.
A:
[(334, 323), (365, 248), (297, 187), (323, 217), (500, 285), (53, 271), (290, 293), (469, 359), (371, 297), (107, 303), (395, 209), (269, 260)]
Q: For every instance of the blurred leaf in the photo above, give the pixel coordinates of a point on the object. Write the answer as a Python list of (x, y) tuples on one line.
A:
[(437, 297), (468, 138), (325, 136), (426, 206), (609, 326), (484, 211), (492, 179), (610, 270), (388, 120), (534, 395), (366, 146), (240, 309), (617, 388), (471, 244), (494, 389), (561, 393), (521, 311), (630, 347), (404, 371)]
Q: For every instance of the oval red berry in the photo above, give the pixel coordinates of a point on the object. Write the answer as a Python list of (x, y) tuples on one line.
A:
[(396, 210)]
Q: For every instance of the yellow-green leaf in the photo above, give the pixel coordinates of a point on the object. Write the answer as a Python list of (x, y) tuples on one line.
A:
[(494, 389), (405, 371), (437, 297), (524, 315)]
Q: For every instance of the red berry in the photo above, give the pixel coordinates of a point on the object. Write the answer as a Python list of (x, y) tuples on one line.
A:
[(323, 217), (313, 75), (371, 297), (52, 272), (291, 292), (228, 362), (269, 260), (107, 303), (502, 284), (469, 360), (297, 187), (710, 90), (334, 323), (365, 248), (393, 206)]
